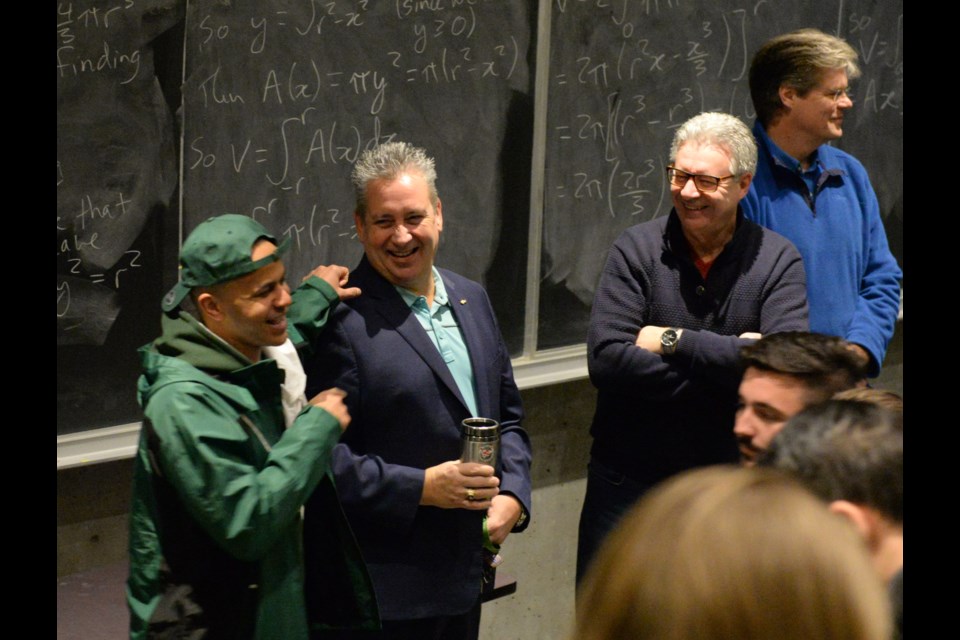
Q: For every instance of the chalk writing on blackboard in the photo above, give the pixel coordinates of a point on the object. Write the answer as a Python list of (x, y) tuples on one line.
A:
[(281, 99), (624, 75), (116, 171)]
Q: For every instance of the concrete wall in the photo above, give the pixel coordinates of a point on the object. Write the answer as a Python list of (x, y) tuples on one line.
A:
[(92, 505)]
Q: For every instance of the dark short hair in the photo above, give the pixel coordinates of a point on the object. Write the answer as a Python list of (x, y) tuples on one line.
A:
[(796, 59), (823, 364), (844, 450)]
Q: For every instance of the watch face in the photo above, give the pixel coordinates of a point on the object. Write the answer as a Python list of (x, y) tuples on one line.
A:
[(668, 340)]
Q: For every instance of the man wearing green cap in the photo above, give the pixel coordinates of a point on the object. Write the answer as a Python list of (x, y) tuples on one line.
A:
[(230, 449)]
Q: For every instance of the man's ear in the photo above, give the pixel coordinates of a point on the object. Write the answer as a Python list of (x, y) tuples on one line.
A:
[(787, 95), (744, 184), (209, 307), (861, 518)]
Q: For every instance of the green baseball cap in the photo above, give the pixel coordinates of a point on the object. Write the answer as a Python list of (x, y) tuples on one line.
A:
[(218, 250)]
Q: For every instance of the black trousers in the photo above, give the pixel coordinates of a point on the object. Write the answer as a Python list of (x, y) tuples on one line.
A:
[(464, 626)]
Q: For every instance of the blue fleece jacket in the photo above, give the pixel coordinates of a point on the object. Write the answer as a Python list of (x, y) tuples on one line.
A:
[(853, 281)]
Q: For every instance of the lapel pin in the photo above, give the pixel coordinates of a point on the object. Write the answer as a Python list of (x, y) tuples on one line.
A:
[(463, 301)]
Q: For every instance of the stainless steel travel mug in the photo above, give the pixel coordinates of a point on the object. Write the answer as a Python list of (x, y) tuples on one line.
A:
[(481, 440)]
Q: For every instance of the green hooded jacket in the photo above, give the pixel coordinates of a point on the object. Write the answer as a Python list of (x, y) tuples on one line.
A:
[(215, 528)]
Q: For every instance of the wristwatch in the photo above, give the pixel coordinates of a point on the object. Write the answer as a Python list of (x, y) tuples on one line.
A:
[(521, 519), (669, 340)]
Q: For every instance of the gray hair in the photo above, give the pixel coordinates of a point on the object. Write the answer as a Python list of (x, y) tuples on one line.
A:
[(387, 162), (722, 130), (798, 60)]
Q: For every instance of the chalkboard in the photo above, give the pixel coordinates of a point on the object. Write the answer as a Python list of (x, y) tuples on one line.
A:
[(169, 112), (623, 75), (116, 173), (281, 97)]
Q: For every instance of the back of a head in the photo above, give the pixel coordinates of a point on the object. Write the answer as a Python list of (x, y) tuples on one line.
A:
[(845, 450), (889, 400), (729, 552), (824, 364)]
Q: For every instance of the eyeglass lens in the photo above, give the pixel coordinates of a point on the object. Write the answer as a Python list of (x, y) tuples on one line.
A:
[(704, 183)]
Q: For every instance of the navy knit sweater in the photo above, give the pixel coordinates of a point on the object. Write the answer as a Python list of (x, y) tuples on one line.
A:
[(658, 415)]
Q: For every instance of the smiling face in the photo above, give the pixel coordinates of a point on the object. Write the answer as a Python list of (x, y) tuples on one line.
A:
[(401, 231), (767, 401), (707, 216), (250, 312), (816, 116)]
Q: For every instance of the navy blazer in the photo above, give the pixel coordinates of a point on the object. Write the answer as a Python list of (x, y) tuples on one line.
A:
[(406, 412)]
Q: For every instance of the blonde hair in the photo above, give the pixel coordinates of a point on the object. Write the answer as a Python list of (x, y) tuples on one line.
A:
[(728, 552)]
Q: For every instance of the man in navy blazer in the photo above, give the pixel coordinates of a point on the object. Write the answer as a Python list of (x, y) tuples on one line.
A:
[(417, 352)]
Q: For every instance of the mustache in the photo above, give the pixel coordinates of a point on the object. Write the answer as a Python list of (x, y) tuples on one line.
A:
[(746, 443)]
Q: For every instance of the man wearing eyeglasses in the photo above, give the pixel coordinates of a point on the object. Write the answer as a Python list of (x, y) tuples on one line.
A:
[(678, 297), (818, 196)]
